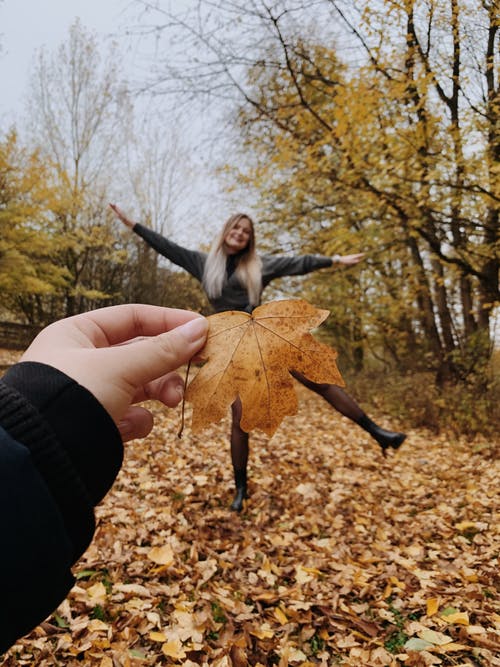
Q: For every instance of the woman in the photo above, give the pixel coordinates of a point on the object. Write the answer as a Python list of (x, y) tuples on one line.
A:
[(233, 277)]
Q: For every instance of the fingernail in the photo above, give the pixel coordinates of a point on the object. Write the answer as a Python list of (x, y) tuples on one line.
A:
[(194, 329)]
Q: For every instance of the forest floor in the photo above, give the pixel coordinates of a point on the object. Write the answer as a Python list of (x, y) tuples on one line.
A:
[(340, 557)]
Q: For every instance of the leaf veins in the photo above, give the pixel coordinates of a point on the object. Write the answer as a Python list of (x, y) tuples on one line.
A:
[(251, 356)]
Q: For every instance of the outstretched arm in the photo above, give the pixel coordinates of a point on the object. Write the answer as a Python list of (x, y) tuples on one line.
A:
[(276, 266), (121, 216), (348, 260), (192, 261)]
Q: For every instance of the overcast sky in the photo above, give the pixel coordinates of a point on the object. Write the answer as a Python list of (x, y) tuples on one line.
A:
[(26, 25)]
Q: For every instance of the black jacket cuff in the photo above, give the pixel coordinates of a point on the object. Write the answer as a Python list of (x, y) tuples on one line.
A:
[(73, 441)]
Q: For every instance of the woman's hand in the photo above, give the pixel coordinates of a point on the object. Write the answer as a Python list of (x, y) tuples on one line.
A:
[(121, 216), (124, 355), (349, 260)]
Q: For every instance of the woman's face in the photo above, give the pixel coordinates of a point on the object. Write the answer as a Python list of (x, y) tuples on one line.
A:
[(238, 236)]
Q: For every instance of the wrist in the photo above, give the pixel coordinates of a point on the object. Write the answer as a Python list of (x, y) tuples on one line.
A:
[(336, 259)]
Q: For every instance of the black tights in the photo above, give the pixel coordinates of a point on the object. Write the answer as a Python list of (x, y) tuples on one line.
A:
[(239, 439), (334, 395)]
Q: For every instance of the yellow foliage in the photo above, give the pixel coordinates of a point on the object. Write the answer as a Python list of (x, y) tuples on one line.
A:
[(26, 243), (380, 156)]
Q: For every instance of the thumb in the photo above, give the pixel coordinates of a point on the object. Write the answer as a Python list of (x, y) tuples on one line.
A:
[(147, 359), (137, 422)]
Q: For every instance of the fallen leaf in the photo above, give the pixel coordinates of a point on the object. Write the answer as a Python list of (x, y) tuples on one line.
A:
[(292, 654), (174, 649), (97, 593), (250, 356), (428, 659), (416, 644), (432, 606), (162, 555), (465, 525), (452, 646), (448, 611), (95, 625), (459, 618), (262, 632), (436, 638), (135, 589), (476, 630), (303, 574), (238, 656), (280, 616)]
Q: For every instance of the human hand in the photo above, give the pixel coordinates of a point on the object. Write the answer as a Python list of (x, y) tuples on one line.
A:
[(124, 355), (121, 216), (349, 260)]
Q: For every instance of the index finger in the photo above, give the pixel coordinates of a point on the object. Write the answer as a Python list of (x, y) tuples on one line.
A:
[(118, 324)]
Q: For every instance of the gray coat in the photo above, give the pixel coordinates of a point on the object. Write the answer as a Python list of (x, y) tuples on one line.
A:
[(234, 295)]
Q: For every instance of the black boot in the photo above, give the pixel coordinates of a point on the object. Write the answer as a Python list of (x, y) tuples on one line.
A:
[(240, 479), (384, 438)]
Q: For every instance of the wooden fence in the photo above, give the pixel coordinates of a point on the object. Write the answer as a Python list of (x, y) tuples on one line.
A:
[(15, 336)]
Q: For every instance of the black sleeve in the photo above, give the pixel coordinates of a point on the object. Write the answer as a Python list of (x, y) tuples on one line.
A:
[(277, 266), (192, 261), (60, 452)]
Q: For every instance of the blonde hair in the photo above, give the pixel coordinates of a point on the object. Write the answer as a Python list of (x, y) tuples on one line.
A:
[(248, 271)]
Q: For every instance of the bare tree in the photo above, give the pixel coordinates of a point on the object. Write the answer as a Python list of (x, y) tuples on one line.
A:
[(158, 181), (77, 105)]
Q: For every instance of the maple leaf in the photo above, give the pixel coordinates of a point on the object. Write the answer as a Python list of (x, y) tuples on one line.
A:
[(251, 356)]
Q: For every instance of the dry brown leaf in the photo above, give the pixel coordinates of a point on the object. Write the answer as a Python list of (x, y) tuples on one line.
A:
[(250, 356), (162, 555), (432, 606)]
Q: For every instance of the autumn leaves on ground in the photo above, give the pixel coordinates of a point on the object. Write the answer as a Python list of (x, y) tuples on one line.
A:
[(339, 557)]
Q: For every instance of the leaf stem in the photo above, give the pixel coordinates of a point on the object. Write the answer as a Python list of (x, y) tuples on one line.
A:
[(179, 434)]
